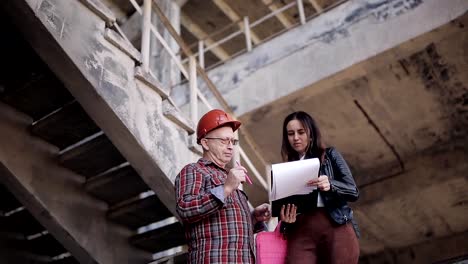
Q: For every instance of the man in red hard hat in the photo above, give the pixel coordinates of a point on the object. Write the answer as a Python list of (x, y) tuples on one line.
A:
[(216, 216)]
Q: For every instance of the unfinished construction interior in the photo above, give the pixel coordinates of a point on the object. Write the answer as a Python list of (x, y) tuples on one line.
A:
[(99, 101)]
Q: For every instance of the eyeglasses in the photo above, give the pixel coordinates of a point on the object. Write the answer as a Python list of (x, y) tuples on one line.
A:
[(226, 141)]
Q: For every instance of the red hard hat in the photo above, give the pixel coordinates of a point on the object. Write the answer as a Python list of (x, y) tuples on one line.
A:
[(212, 120)]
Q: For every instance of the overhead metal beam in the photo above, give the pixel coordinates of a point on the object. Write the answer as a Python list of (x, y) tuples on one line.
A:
[(233, 16), (193, 28), (287, 23)]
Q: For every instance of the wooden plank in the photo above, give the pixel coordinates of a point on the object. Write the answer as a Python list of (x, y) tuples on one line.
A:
[(125, 179), (92, 157), (45, 245), (316, 6), (287, 23), (22, 222), (9, 202), (139, 212), (160, 239), (232, 14), (39, 96), (66, 126), (193, 28)]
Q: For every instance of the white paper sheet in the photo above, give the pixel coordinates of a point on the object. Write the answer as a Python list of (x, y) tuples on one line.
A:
[(290, 178)]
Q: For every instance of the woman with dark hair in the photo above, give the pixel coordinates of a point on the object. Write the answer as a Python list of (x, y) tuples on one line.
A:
[(325, 231)]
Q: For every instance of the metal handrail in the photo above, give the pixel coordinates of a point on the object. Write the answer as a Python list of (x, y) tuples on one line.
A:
[(232, 24), (190, 74), (247, 28)]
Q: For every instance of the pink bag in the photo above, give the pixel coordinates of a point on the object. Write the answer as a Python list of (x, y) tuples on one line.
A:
[(271, 247)]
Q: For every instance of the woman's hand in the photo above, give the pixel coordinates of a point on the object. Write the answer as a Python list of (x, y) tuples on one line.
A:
[(322, 183), (288, 213)]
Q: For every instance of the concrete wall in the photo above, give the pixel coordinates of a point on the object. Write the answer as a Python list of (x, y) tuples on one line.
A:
[(328, 44)]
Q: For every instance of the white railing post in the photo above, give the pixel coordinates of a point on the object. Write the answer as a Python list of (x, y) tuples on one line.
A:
[(146, 35), (236, 155), (201, 53), (193, 89), (252, 168), (248, 40), (300, 8)]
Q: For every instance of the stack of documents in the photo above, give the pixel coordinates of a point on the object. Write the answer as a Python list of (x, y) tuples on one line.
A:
[(289, 182)]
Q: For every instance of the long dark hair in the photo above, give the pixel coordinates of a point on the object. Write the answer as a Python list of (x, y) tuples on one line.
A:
[(315, 148)]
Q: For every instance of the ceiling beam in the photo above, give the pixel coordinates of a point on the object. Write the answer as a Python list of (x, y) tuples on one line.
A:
[(193, 28), (287, 23), (316, 6), (233, 16)]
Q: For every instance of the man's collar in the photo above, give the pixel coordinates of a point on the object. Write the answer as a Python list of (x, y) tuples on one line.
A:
[(207, 162)]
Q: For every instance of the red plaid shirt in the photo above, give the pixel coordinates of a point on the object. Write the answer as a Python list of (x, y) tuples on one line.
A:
[(217, 231)]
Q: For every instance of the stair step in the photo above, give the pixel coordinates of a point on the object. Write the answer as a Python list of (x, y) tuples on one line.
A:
[(39, 97), (139, 212), (67, 260), (123, 44), (101, 10), (92, 157), (151, 81), (116, 185), (175, 115), (17, 68), (180, 259), (160, 239), (22, 222), (66, 126), (45, 245), (8, 201)]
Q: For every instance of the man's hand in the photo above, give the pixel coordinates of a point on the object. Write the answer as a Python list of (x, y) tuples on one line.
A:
[(322, 183), (235, 177), (262, 213)]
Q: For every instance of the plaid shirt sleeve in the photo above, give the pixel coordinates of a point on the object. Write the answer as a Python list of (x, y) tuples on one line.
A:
[(193, 202)]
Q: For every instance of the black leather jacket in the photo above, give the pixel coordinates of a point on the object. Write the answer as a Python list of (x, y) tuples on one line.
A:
[(343, 189)]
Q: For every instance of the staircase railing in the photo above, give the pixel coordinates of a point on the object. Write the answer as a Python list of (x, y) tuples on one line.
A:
[(247, 27), (196, 69), (191, 74)]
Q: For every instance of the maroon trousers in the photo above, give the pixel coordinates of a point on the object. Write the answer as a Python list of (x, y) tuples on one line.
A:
[(316, 239)]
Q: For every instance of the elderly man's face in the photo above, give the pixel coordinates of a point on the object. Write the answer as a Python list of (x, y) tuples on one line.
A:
[(218, 146)]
